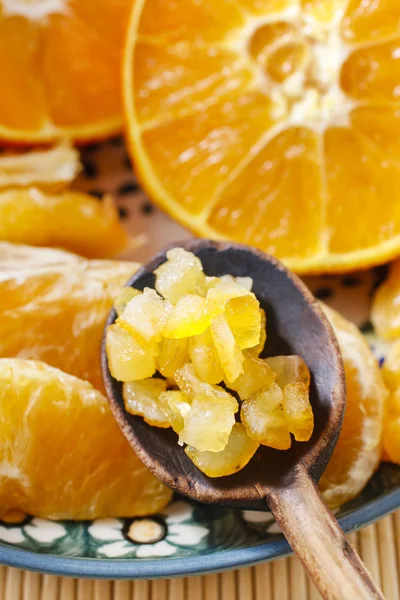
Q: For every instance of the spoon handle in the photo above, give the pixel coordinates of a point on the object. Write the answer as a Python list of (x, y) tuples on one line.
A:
[(318, 540)]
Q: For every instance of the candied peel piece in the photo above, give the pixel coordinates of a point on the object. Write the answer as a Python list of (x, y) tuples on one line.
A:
[(221, 291), (175, 405), (141, 398), (204, 357), (236, 454), (244, 282), (289, 369), (298, 412), (230, 355), (180, 275), (256, 374), (192, 385), (262, 416), (258, 348), (244, 319), (188, 317), (128, 359), (208, 424), (145, 316), (124, 296), (172, 355)]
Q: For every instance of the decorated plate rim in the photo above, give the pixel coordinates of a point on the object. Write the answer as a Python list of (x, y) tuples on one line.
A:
[(219, 560)]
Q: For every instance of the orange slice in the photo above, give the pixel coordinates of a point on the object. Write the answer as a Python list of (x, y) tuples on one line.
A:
[(53, 307), (62, 455), (70, 220), (358, 450), (59, 67), (271, 123)]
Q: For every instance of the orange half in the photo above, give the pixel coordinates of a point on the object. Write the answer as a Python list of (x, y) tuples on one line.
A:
[(60, 68), (271, 122)]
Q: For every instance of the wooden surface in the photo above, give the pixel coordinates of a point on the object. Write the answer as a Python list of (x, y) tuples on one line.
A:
[(378, 545)]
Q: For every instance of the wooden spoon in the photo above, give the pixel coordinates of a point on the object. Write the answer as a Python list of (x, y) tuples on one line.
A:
[(282, 481)]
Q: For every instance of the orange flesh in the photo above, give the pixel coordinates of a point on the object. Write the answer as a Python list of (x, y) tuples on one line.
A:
[(62, 67), (62, 455)]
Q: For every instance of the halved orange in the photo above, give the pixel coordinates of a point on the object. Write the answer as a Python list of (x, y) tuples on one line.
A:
[(271, 122), (53, 307), (60, 68)]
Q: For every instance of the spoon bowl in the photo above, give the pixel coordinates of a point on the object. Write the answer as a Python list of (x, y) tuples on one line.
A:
[(282, 480)]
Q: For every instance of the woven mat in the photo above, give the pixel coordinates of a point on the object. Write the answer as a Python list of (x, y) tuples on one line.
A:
[(378, 545)]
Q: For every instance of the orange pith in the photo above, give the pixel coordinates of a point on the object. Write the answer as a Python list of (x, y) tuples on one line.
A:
[(62, 455), (60, 64), (53, 307), (51, 169), (271, 123)]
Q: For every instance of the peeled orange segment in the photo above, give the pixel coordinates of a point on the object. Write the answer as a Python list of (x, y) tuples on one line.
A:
[(208, 423), (141, 398), (54, 305), (128, 358), (256, 374), (53, 169), (55, 423), (385, 311), (63, 81), (358, 450), (236, 454), (242, 129), (391, 425), (391, 367), (70, 220)]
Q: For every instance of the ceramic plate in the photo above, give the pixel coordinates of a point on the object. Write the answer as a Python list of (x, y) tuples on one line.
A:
[(191, 537)]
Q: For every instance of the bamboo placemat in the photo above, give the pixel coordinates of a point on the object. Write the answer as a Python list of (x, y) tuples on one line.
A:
[(378, 545)]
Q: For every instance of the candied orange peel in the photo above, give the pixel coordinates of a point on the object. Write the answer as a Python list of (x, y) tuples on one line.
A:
[(204, 336)]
